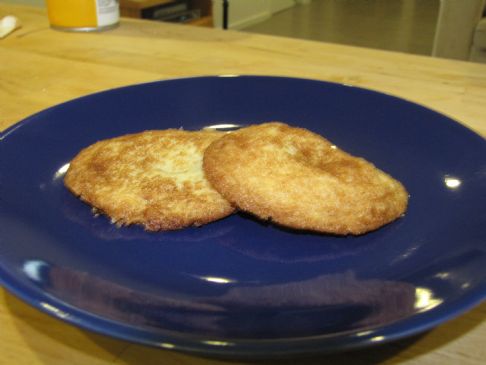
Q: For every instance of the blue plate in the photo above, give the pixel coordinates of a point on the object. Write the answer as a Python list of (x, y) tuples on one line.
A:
[(238, 287)]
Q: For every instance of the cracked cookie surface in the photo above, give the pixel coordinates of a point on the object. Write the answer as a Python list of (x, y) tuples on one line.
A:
[(152, 178), (299, 179)]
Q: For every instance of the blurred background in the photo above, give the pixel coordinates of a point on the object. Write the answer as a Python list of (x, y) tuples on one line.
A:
[(443, 28)]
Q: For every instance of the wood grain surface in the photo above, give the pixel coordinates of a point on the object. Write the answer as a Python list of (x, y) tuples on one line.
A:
[(40, 67)]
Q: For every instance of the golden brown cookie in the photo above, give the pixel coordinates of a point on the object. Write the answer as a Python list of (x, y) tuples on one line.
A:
[(301, 180), (153, 178)]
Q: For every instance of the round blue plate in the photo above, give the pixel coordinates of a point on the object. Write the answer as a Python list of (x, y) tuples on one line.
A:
[(239, 287)]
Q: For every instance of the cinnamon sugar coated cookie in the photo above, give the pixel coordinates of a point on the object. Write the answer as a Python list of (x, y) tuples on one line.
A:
[(153, 178), (299, 179)]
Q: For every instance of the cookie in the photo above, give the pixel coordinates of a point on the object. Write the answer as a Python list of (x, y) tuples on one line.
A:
[(153, 178), (300, 180)]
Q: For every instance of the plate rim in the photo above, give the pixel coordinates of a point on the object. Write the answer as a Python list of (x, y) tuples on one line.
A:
[(248, 348), (452, 120)]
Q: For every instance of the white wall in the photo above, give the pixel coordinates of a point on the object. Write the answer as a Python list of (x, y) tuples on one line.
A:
[(455, 28), (243, 13), (279, 5)]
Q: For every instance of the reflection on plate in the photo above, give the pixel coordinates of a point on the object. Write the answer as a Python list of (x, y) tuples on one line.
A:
[(238, 287)]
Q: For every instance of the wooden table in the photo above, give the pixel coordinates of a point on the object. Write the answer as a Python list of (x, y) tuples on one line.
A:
[(40, 67)]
